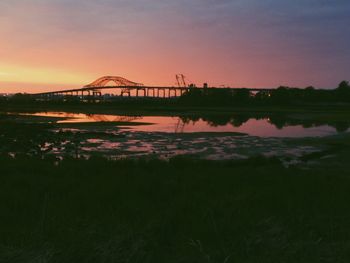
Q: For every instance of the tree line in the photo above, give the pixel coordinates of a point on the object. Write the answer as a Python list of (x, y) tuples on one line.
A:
[(281, 96)]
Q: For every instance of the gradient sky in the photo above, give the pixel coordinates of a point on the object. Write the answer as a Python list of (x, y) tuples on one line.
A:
[(50, 44)]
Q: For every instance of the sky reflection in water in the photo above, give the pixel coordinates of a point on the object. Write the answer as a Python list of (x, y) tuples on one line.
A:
[(262, 127)]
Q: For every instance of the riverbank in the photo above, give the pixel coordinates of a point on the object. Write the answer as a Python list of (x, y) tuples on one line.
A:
[(139, 107)]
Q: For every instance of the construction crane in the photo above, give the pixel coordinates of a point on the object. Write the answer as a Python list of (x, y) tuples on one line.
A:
[(181, 82)]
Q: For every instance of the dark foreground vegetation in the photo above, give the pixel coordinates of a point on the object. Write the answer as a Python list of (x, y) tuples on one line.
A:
[(178, 211)]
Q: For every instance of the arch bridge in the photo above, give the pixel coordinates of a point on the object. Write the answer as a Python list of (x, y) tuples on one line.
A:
[(124, 86)]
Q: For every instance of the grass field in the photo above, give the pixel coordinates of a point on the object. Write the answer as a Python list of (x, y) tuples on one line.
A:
[(179, 211)]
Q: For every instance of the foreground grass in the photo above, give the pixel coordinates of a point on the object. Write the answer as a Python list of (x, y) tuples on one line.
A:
[(177, 211)]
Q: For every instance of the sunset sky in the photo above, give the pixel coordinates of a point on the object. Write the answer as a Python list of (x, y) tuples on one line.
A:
[(58, 44)]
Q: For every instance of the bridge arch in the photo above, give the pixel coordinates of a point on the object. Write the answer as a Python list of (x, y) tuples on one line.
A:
[(118, 81)]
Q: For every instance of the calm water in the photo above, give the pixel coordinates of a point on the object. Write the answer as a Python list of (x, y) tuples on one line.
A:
[(211, 136), (262, 127)]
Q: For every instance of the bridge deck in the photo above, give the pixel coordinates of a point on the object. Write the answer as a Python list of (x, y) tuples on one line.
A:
[(94, 89)]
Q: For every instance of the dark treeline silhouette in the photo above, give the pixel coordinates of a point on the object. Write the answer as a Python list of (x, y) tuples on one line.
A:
[(280, 96)]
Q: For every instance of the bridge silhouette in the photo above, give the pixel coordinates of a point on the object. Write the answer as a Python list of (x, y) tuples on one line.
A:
[(125, 87)]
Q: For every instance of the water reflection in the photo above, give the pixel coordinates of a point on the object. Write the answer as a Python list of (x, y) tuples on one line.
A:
[(278, 120), (165, 137), (69, 117), (265, 125)]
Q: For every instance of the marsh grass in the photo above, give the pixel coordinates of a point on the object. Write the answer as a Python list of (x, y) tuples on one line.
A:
[(178, 211)]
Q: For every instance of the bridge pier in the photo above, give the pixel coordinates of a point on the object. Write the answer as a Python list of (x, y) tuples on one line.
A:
[(96, 93), (154, 93), (174, 91), (138, 90), (123, 92)]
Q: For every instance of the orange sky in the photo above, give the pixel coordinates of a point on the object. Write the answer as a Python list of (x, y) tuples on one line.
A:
[(49, 45)]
